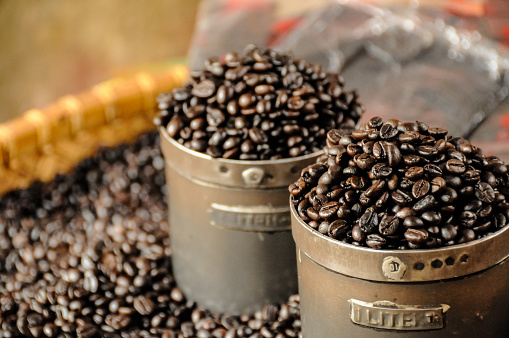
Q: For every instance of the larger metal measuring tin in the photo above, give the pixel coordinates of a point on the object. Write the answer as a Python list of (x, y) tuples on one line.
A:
[(350, 291), (232, 248)]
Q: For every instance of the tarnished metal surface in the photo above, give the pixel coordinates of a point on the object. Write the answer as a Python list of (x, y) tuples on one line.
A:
[(255, 218), (343, 298), (418, 265), (391, 316), (232, 249), (233, 173)]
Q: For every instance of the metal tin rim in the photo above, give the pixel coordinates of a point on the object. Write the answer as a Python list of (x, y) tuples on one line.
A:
[(399, 265), (235, 173)]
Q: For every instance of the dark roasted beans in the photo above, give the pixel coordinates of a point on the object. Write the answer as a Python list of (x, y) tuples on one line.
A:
[(282, 105), (405, 183)]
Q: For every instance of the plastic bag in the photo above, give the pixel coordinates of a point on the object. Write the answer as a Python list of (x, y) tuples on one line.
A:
[(407, 64)]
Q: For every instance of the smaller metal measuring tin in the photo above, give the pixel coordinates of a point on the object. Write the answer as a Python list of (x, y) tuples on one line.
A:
[(232, 248)]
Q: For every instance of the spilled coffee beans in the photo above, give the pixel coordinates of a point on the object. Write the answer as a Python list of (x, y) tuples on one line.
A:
[(88, 255), (396, 185)]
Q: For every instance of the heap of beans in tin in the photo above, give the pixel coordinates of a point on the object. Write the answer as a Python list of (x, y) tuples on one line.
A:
[(398, 185), (258, 105)]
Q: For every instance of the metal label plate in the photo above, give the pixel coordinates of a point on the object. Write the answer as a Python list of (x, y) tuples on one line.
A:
[(250, 218), (391, 316)]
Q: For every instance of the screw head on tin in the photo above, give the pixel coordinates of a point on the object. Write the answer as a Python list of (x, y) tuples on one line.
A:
[(253, 176), (393, 268)]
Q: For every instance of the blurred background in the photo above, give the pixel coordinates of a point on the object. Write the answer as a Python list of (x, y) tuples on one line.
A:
[(53, 48)]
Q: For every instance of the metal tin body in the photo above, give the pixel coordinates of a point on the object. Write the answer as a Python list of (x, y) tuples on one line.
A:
[(351, 291), (232, 248)]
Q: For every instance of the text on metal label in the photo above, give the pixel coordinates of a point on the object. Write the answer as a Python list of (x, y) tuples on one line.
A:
[(250, 218), (391, 316)]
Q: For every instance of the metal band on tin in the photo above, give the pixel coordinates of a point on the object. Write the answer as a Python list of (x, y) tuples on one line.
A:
[(250, 218), (387, 315), (400, 265)]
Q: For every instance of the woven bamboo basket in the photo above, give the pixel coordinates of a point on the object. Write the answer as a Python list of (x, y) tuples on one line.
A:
[(49, 141)]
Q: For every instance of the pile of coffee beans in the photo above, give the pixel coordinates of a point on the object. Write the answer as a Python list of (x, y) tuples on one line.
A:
[(397, 185), (88, 255), (259, 105)]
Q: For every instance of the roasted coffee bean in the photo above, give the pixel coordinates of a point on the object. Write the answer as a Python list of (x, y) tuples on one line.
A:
[(215, 117), (382, 201), (357, 182), (420, 188), (473, 205), (448, 195), (334, 136), (381, 170), (485, 212), (375, 241), (174, 126), (426, 203), (426, 150), (387, 131), (482, 226), (437, 184), (467, 219), (471, 176), (484, 192), (466, 235), (343, 212), (358, 234), (411, 160), (369, 221), (414, 173), (400, 197), (143, 305), (413, 222), (448, 232), (408, 137), (328, 210), (499, 220), (375, 189), (388, 225), (334, 172), (405, 212), (323, 228), (338, 229), (432, 170), (387, 151), (455, 166), (353, 149), (364, 161), (117, 322), (392, 182), (432, 217), (313, 214), (313, 172), (416, 236), (204, 89)]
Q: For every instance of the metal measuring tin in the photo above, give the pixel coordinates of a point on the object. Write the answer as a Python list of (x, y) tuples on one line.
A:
[(232, 248), (352, 291)]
